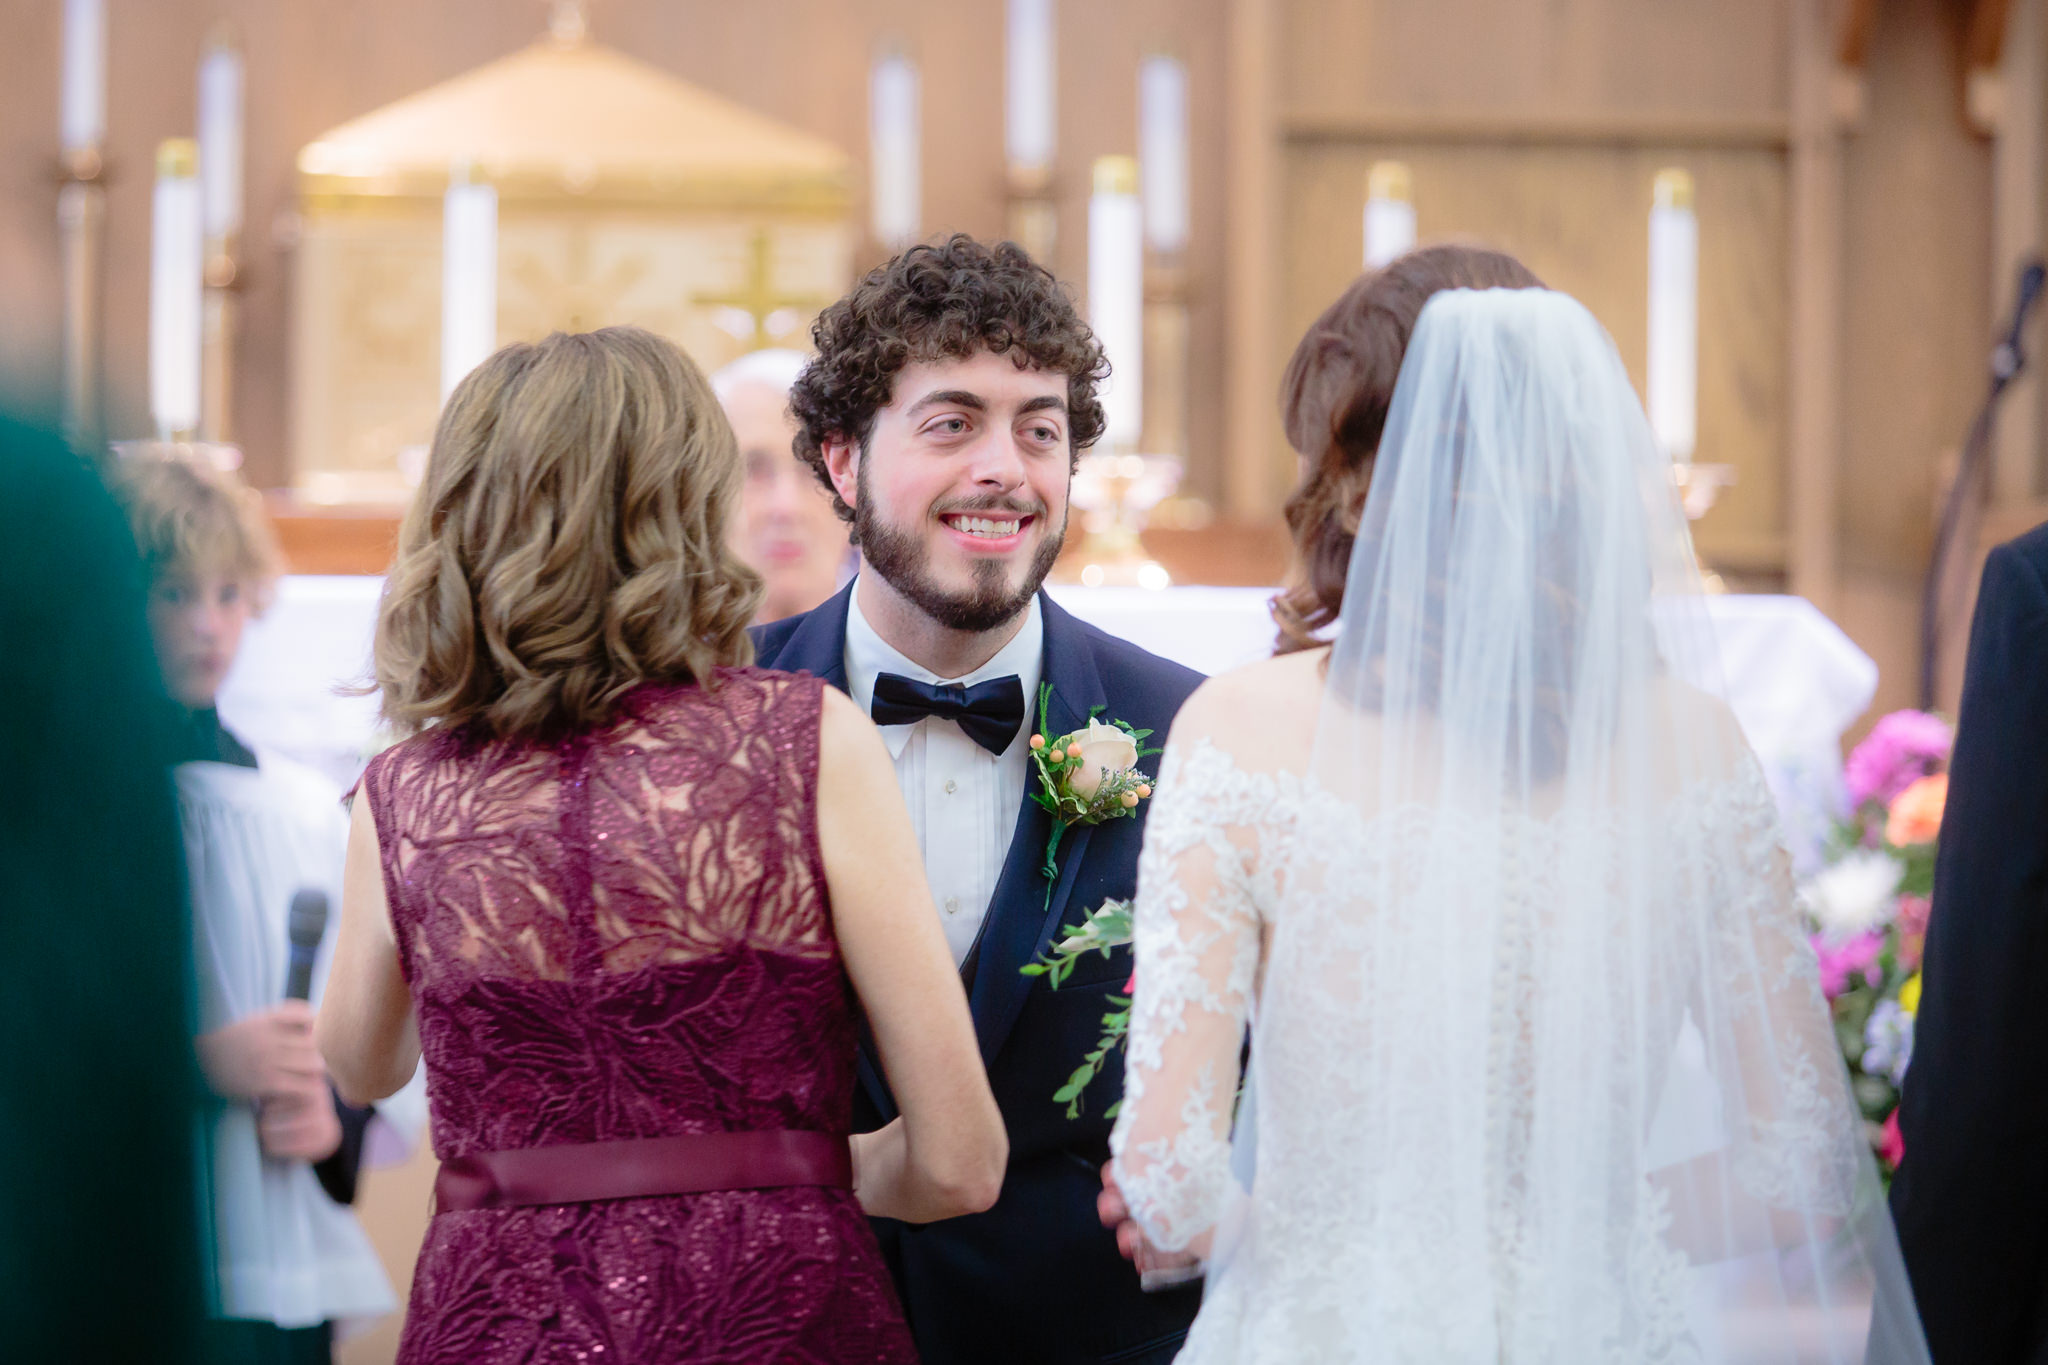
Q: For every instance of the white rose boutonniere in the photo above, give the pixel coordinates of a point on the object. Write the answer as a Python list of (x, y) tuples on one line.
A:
[(1106, 750), (1086, 776)]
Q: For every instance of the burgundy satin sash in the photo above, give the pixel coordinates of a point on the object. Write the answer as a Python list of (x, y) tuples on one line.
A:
[(636, 1168)]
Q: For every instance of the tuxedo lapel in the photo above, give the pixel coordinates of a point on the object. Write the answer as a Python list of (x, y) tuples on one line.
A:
[(818, 644), (1020, 922)]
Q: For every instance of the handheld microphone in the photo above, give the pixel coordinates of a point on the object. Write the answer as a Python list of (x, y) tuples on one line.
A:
[(305, 926)]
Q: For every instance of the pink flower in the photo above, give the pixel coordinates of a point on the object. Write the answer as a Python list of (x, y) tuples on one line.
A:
[(1842, 961), (1132, 984), (1900, 749), (1891, 1147), (1913, 913)]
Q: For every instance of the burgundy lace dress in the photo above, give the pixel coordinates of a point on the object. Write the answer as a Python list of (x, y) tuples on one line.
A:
[(626, 936)]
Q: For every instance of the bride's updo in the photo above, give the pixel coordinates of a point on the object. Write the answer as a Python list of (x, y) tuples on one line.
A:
[(1333, 402)]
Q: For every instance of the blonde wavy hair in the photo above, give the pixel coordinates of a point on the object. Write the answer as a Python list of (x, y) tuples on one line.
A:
[(189, 517), (568, 542)]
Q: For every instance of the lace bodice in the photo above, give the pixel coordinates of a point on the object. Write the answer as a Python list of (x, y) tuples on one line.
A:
[(626, 935), (1356, 1224)]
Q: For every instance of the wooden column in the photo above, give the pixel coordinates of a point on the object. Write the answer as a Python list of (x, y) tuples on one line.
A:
[(1823, 92), (1252, 483), (2016, 235)]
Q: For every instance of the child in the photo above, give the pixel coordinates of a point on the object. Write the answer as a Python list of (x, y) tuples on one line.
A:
[(291, 1261)]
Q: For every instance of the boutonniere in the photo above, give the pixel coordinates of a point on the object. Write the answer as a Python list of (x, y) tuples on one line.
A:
[(1086, 776)]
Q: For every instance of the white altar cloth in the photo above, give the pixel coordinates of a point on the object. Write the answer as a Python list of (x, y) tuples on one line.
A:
[(1795, 680)]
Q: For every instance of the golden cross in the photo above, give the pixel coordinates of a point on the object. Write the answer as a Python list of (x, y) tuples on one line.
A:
[(757, 298)]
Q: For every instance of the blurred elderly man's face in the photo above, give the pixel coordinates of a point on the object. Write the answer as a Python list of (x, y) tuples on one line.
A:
[(787, 529)]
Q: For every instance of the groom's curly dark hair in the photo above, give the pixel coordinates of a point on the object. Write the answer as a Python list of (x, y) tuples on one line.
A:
[(955, 298)]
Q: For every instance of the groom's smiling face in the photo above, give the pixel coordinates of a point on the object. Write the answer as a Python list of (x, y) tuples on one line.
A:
[(960, 491)]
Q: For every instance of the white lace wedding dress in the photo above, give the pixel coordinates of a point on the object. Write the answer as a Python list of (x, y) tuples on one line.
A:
[(1542, 1072)]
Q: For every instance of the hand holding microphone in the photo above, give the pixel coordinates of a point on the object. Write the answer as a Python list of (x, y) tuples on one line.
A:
[(270, 1056), (267, 1053)]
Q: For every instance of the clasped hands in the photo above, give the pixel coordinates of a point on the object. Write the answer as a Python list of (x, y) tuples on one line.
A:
[(269, 1058), (1173, 1266)]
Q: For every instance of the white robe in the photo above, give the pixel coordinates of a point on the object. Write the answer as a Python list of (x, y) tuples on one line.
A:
[(286, 1253)]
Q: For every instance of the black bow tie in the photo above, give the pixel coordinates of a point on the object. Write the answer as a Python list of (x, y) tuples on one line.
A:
[(989, 712)]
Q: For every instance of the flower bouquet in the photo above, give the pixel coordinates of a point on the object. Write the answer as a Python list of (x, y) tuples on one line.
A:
[(1868, 909)]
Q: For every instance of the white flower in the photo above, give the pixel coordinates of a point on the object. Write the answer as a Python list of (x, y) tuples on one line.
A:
[(1105, 750), (1860, 892)]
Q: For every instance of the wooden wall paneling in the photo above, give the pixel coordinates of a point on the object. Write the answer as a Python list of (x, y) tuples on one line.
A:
[(1584, 56), (1916, 292), (30, 284), (1917, 288), (1578, 216), (1814, 262), (1097, 63), (1258, 467), (2017, 186)]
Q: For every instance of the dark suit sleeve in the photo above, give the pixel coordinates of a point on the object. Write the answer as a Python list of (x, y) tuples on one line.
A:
[(1971, 1199)]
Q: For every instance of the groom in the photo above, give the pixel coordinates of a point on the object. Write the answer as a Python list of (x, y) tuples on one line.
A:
[(952, 392)]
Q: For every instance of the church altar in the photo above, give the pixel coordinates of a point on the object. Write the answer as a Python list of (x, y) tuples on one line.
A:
[(1796, 682)]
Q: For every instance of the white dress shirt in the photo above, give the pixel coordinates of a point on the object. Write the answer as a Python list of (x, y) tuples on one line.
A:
[(963, 799)]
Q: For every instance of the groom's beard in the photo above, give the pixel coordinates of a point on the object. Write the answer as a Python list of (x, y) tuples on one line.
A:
[(904, 562)]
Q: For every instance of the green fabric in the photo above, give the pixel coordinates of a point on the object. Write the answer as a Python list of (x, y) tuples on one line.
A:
[(100, 1207), (240, 1341)]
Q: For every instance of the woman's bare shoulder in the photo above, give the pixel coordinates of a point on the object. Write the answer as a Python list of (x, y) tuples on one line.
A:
[(1268, 707)]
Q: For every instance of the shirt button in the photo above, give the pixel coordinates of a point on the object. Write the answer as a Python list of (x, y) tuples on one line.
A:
[(952, 905), (951, 786)]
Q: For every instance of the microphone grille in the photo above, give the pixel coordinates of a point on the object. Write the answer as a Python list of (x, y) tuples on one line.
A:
[(307, 921)]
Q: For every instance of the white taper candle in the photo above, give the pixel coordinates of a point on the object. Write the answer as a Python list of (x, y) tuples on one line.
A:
[(469, 277), (1163, 151), (220, 139), (1673, 360), (1030, 90), (1116, 296), (177, 265), (83, 106), (894, 135), (1389, 212)]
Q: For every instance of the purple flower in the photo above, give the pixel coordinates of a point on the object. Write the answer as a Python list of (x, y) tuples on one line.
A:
[(1888, 1042), (1844, 959), (1900, 749)]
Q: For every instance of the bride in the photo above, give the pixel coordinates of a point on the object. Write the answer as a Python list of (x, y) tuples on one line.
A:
[(1543, 1073)]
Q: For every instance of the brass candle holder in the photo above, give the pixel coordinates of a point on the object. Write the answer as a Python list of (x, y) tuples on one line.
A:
[(1114, 492), (81, 236)]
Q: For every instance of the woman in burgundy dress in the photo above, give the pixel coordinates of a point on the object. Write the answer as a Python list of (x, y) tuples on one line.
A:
[(621, 892)]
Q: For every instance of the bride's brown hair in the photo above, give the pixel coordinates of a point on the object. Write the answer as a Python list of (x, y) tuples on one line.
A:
[(568, 542), (1333, 403)]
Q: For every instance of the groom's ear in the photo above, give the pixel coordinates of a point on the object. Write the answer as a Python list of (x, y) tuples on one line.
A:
[(842, 466)]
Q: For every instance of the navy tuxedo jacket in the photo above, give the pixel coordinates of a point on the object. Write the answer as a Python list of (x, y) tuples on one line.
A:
[(1036, 1278), (1971, 1197)]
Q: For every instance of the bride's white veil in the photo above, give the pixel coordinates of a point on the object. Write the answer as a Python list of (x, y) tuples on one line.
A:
[(1543, 1070)]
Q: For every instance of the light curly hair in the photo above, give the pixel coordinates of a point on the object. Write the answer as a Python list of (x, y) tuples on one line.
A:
[(568, 542), (189, 517)]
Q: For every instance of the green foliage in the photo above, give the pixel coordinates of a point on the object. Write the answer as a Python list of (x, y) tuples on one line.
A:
[(1103, 930)]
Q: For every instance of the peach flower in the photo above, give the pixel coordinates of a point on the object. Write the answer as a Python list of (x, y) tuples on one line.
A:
[(1104, 751), (1915, 816)]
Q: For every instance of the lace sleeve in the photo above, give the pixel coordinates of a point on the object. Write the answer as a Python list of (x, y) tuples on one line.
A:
[(1196, 932), (1797, 1142)]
